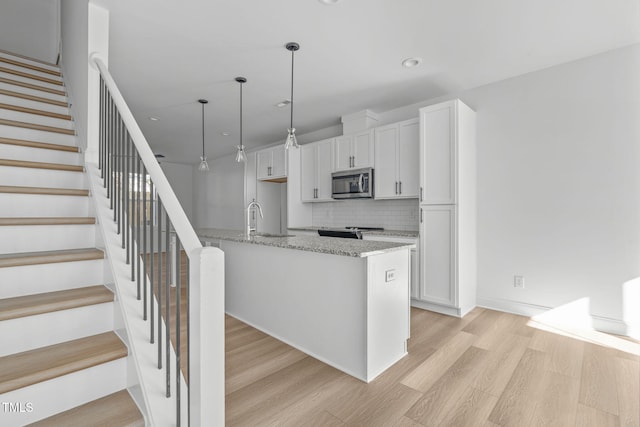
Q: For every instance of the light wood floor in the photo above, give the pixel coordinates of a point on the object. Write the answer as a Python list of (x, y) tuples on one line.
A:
[(488, 369)]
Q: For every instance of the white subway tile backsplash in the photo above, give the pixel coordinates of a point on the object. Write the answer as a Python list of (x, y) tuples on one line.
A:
[(391, 214)]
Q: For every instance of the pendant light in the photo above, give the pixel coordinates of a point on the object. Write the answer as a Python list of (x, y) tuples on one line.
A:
[(291, 140), (241, 156), (204, 166)]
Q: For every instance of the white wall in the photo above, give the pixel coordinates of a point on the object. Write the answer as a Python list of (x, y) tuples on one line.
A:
[(219, 194), (30, 28), (558, 184), (74, 57), (181, 179)]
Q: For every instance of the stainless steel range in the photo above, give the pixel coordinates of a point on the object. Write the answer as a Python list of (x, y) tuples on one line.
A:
[(347, 232)]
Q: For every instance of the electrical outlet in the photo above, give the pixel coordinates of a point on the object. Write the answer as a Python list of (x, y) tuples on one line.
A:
[(518, 282), (390, 275)]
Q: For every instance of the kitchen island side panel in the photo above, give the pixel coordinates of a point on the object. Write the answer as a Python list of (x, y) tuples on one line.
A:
[(315, 302)]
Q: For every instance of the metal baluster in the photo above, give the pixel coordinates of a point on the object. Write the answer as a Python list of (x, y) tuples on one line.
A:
[(138, 215), (123, 190), (178, 302), (144, 241), (116, 210), (152, 255), (127, 189), (101, 127), (167, 304), (160, 283), (188, 285), (110, 170)]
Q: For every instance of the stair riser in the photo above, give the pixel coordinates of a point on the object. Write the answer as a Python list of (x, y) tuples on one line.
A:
[(17, 152), (35, 119), (29, 103), (34, 92), (56, 327), (29, 61), (37, 135), (63, 393), (18, 205), (36, 279), (35, 177), (36, 238), (31, 81), (30, 71)]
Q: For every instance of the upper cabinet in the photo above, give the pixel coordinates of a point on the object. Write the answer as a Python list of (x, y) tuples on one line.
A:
[(315, 170), (354, 151), (272, 164), (397, 162)]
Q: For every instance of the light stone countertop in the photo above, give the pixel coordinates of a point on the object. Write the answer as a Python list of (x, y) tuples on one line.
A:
[(386, 233), (326, 245)]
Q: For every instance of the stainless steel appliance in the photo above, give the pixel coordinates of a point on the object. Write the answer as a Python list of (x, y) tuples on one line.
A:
[(352, 184), (347, 232)]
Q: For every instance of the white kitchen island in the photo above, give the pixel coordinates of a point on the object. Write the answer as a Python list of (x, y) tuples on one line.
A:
[(342, 301)]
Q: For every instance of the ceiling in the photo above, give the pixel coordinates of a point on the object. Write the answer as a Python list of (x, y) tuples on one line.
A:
[(166, 54)]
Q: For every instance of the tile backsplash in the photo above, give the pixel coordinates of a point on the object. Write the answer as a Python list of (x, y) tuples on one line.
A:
[(391, 214)]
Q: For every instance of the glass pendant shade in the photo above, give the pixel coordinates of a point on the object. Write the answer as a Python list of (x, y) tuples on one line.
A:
[(241, 156), (291, 140), (204, 166)]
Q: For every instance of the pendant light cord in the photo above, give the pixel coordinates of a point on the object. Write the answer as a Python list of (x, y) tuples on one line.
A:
[(241, 145), (292, 52), (203, 130)]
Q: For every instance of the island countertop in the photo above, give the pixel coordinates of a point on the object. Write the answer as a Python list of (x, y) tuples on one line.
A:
[(373, 233), (326, 245)]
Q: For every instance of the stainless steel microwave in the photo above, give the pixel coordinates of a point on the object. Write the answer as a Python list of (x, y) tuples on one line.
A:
[(352, 184)]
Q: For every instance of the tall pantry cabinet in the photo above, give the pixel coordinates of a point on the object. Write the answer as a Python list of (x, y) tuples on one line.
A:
[(447, 209)]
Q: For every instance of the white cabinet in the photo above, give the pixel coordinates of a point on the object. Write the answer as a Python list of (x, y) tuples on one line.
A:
[(354, 151), (272, 164), (414, 275), (396, 161), (316, 164), (447, 209)]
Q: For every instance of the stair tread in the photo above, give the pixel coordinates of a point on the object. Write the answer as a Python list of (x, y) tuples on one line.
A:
[(49, 257), (32, 86), (41, 165), (35, 111), (36, 144), (34, 126), (31, 66), (115, 410), (45, 363), (30, 76), (33, 98), (65, 220), (43, 190), (29, 58), (48, 302)]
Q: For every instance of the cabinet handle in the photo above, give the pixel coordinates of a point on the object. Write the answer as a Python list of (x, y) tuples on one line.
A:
[(396, 187), (421, 194), (400, 191), (421, 215), (269, 171)]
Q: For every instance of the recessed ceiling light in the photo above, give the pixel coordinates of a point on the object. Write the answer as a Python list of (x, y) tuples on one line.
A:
[(329, 1), (154, 118), (283, 103), (225, 133), (411, 62)]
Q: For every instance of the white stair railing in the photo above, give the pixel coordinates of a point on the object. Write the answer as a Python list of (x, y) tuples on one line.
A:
[(147, 214)]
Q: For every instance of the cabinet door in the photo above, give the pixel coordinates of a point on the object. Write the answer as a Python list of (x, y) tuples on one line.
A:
[(408, 158), (308, 172), (437, 153), (362, 149), (263, 159), (342, 153), (437, 255), (324, 166), (278, 162), (386, 163)]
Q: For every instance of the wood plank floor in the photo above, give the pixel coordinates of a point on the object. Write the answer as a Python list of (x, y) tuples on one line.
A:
[(488, 369)]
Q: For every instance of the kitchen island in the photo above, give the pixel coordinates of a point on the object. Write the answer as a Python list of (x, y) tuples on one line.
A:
[(342, 301)]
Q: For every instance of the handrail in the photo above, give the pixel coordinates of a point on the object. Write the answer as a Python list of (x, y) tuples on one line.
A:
[(129, 172), (181, 224)]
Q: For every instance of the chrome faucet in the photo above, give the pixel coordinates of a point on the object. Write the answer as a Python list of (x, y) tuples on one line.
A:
[(253, 205)]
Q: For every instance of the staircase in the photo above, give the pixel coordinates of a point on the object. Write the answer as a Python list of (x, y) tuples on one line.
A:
[(61, 361)]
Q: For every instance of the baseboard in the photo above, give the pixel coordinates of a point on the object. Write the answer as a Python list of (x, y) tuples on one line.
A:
[(442, 309), (599, 323)]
